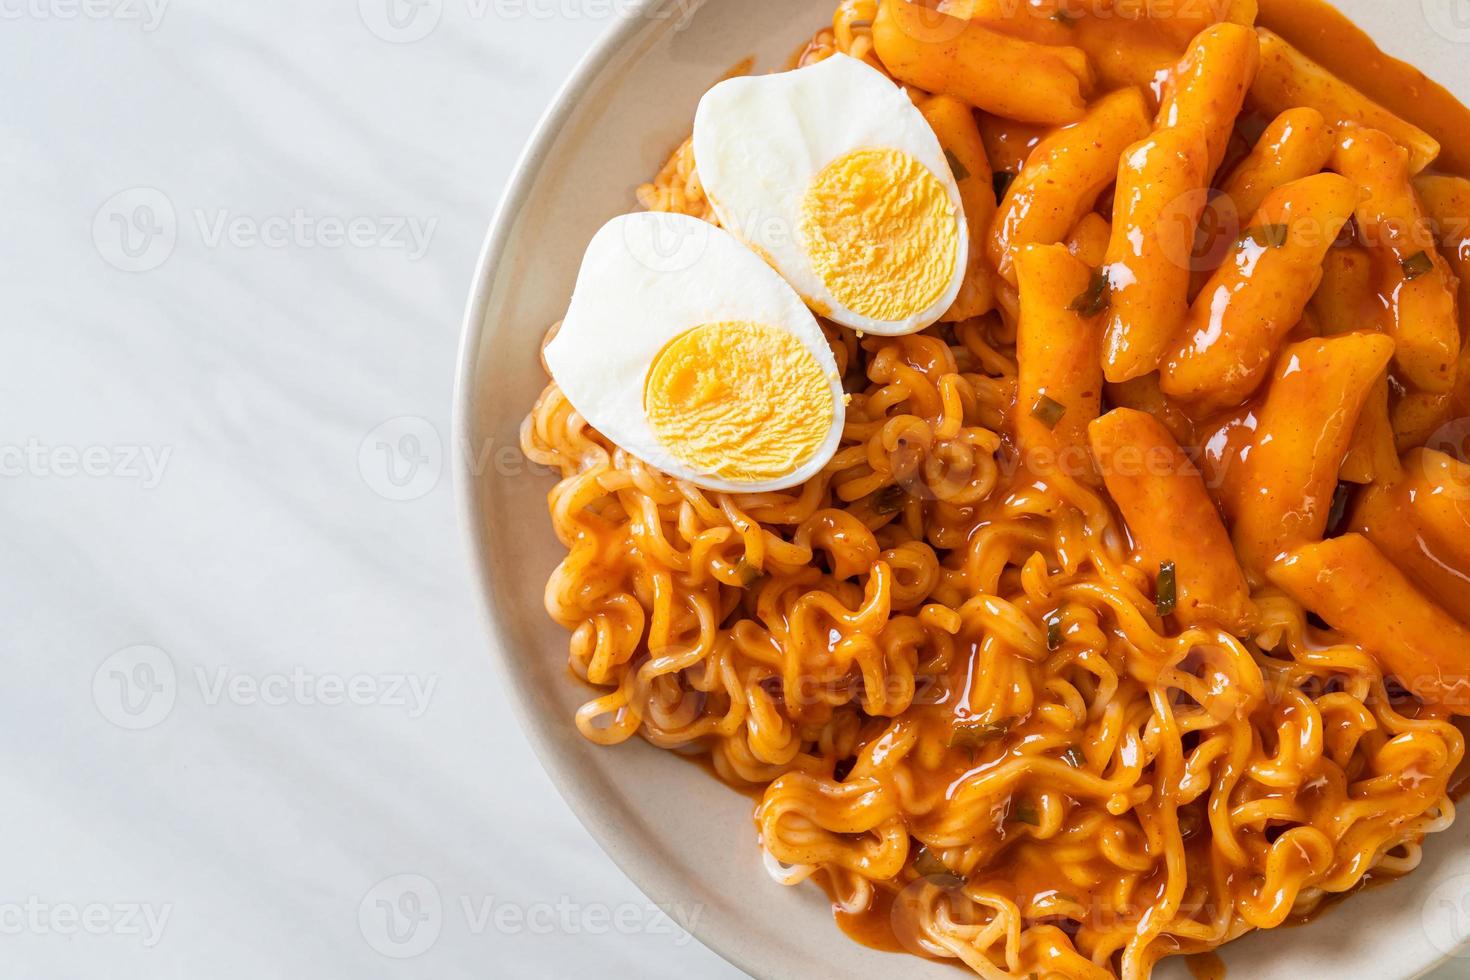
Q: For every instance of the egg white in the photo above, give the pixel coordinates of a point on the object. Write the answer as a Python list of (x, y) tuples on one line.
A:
[(646, 279), (759, 142)]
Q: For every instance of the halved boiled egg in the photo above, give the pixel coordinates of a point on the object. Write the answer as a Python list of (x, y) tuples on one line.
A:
[(833, 175), (686, 349)]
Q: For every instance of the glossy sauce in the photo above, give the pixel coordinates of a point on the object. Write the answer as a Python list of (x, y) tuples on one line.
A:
[(1330, 38)]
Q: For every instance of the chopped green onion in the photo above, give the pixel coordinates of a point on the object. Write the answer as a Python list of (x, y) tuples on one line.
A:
[(1048, 412), (1168, 589), (1073, 757), (1267, 236), (1025, 813), (1339, 508), (927, 864), (889, 500), (1001, 180), (1417, 265), (747, 573), (1095, 298), (972, 734), (1054, 631), (960, 171)]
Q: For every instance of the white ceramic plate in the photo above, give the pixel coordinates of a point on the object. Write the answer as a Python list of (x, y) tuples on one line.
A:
[(680, 835)]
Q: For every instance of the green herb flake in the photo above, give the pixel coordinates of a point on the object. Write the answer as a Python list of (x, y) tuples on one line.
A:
[(1168, 589), (927, 864), (960, 171), (1073, 757), (1095, 298), (1025, 813), (890, 500), (1417, 265), (746, 573), (1054, 632), (972, 734), (1001, 180), (1048, 411)]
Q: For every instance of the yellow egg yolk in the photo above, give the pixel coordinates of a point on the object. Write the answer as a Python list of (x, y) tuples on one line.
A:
[(740, 401), (881, 233)]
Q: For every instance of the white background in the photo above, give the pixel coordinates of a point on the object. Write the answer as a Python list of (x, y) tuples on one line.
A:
[(222, 428), (255, 362)]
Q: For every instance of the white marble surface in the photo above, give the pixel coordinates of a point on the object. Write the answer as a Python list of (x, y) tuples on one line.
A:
[(186, 463), (246, 688)]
